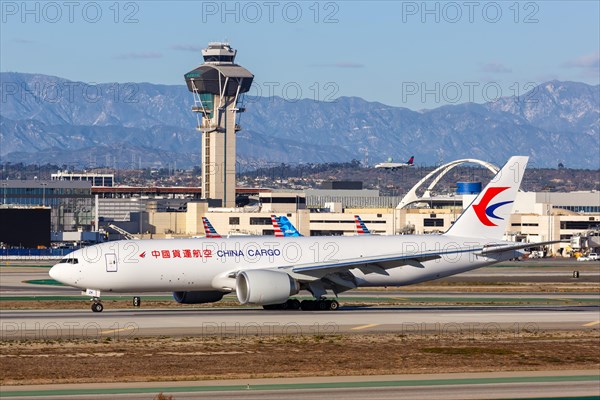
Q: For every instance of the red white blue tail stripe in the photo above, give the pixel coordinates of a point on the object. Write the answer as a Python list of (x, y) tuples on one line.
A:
[(209, 230), (276, 226), (361, 228)]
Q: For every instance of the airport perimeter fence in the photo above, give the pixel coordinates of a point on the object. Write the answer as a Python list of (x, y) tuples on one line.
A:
[(33, 254)]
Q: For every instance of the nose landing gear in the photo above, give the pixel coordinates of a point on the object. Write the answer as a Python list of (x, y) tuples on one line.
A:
[(97, 305)]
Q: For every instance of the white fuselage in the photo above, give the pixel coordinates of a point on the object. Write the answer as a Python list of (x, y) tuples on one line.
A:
[(211, 264), (391, 165)]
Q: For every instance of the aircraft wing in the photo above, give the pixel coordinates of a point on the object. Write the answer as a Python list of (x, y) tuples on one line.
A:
[(378, 265)]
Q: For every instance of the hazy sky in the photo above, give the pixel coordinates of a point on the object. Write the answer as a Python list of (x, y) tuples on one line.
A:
[(412, 54)]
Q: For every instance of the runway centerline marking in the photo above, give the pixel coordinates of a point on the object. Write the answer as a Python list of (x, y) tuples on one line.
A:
[(118, 330), (593, 323), (358, 328)]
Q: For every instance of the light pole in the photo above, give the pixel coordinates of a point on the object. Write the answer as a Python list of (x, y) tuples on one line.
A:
[(4, 185)]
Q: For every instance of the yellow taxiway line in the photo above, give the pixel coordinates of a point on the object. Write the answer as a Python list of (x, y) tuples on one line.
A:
[(118, 330), (358, 328)]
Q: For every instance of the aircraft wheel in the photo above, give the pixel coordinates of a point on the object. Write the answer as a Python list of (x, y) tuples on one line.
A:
[(294, 304), (97, 307), (307, 305), (333, 305), (270, 306), (322, 305)]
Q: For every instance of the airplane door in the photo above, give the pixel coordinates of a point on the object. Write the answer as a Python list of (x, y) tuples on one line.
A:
[(111, 263)]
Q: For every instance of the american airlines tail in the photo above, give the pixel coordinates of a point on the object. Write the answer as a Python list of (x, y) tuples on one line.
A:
[(361, 228), (487, 216), (276, 227), (209, 230)]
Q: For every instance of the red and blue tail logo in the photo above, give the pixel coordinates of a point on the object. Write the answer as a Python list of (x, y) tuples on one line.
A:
[(361, 228), (485, 211), (209, 231), (276, 227)]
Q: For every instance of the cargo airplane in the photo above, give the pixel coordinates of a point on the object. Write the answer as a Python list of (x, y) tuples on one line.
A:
[(392, 165), (267, 270)]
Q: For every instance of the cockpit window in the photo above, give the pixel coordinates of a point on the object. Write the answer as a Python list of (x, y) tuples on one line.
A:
[(68, 261)]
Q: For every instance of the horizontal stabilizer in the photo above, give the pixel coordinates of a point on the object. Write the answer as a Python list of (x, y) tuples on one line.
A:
[(499, 248)]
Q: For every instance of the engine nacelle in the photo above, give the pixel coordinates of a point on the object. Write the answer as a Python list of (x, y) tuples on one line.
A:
[(263, 287), (198, 297)]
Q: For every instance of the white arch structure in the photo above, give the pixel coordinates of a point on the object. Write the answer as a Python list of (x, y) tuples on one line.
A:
[(411, 196)]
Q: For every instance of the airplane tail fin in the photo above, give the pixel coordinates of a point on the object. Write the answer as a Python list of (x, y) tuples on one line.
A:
[(287, 228), (411, 160), (209, 230), (276, 226), (361, 228), (487, 216)]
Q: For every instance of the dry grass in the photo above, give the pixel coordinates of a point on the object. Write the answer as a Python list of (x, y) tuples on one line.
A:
[(195, 358)]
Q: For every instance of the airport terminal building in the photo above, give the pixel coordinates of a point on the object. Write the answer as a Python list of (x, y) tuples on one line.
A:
[(77, 208)]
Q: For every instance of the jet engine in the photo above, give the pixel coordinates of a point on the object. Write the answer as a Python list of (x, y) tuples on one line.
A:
[(262, 287), (198, 297)]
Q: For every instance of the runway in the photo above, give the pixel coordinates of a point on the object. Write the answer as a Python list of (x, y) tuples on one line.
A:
[(442, 311), (31, 324), (580, 384), (445, 312)]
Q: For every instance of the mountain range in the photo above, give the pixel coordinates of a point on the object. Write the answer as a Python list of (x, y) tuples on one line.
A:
[(46, 119)]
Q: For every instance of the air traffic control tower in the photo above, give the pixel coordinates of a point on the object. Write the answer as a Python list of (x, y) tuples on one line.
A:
[(216, 86)]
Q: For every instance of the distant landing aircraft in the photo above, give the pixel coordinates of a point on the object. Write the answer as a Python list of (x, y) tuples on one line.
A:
[(392, 165)]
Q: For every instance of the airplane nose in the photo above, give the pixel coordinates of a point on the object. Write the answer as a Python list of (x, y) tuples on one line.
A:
[(59, 273)]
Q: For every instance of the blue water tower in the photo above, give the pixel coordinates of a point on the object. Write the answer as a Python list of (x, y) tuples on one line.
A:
[(468, 188)]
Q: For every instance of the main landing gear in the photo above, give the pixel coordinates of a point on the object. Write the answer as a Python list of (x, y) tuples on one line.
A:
[(305, 305)]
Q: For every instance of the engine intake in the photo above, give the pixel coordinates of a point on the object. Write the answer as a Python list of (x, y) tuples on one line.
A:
[(263, 287), (198, 297)]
